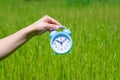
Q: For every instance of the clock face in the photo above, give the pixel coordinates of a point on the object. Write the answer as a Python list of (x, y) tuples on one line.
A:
[(61, 43)]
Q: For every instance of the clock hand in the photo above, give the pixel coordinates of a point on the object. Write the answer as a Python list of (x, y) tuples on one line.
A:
[(59, 42), (64, 40)]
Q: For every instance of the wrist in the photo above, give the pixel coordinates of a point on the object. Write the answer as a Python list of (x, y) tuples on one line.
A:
[(29, 32)]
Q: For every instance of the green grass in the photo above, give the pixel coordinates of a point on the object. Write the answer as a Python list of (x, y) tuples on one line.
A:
[(95, 27)]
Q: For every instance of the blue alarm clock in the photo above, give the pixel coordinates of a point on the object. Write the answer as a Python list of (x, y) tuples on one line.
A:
[(61, 42)]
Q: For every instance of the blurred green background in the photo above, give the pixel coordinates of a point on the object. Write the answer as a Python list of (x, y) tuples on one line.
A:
[(95, 26)]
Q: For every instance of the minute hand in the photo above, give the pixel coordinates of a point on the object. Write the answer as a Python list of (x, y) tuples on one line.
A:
[(64, 40)]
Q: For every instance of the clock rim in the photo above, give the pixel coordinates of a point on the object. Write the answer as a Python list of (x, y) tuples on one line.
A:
[(57, 34)]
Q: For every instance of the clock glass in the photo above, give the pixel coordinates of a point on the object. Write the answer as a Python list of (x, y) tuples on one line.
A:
[(61, 43)]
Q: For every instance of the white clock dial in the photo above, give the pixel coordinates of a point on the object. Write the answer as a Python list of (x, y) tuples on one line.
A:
[(61, 44)]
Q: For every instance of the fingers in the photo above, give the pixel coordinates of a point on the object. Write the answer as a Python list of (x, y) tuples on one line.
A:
[(51, 20), (53, 27)]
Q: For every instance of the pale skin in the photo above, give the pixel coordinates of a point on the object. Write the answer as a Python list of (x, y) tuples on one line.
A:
[(11, 43)]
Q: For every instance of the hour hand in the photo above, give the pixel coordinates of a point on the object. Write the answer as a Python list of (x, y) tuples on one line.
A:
[(59, 42)]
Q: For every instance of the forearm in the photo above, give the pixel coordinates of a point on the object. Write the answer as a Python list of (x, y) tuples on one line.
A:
[(14, 41)]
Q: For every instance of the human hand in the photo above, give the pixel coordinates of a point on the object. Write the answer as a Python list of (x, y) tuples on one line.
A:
[(44, 24), (9, 44)]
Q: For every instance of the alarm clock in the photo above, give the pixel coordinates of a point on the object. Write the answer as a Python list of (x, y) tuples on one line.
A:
[(61, 42)]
